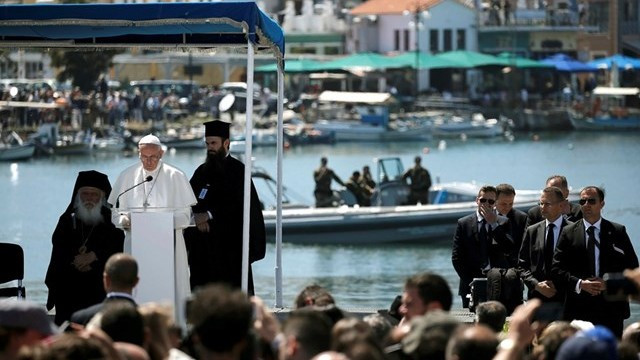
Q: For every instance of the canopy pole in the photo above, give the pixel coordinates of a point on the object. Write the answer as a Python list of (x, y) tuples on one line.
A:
[(248, 164), (279, 151)]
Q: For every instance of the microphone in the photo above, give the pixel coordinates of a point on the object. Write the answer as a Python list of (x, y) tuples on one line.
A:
[(147, 179)]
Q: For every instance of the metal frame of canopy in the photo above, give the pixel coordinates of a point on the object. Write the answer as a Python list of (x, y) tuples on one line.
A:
[(163, 25)]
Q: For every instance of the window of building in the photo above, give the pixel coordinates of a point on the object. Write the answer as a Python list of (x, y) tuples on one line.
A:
[(406, 40), (433, 41), (629, 11), (599, 15), (448, 40), (461, 38), (332, 50), (396, 40)]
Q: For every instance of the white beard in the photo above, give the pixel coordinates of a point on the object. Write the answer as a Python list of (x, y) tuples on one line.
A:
[(88, 216)]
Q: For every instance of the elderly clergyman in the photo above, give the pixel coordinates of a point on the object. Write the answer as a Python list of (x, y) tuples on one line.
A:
[(162, 186), (82, 242)]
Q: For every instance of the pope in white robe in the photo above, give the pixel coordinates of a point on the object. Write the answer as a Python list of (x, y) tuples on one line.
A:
[(166, 188)]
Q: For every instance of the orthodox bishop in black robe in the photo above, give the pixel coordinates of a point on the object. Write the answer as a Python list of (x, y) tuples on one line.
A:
[(82, 242)]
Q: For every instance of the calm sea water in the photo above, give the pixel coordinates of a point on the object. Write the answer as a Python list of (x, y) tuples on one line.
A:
[(36, 192)]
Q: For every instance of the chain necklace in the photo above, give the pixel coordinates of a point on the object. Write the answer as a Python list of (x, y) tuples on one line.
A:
[(146, 198), (83, 248)]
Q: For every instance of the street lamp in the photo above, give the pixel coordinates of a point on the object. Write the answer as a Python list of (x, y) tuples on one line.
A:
[(418, 12)]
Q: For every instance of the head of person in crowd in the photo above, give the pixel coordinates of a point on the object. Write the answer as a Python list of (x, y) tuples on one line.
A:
[(68, 346), (492, 314), (314, 294), (380, 325), (216, 137), (89, 198), (632, 333), (551, 203), (330, 355), (505, 194), (592, 202), (306, 333), (486, 198), (323, 161), (131, 351), (150, 152), (366, 171), (560, 182), (428, 335), (473, 342), (122, 321), (598, 343), (120, 273), (22, 323), (552, 336), (351, 334), (417, 160), (221, 320), (423, 293), (157, 319)]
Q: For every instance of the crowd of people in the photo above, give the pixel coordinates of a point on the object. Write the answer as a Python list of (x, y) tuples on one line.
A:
[(226, 323)]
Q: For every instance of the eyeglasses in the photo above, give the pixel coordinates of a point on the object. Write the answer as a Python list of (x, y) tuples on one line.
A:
[(591, 201), (153, 158), (490, 201)]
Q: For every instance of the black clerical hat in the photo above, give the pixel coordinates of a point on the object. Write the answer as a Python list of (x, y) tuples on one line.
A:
[(217, 128), (94, 179)]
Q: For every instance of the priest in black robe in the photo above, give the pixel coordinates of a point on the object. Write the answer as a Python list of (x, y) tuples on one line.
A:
[(214, 246), (82, 242)]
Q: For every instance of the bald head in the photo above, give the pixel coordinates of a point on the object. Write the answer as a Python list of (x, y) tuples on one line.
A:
[(121, 273)]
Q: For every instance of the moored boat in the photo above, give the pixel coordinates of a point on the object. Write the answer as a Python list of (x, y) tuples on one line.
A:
[(610, 108), (13, 148)]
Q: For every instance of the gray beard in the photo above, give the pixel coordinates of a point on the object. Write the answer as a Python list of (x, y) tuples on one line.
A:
[(88, 216)]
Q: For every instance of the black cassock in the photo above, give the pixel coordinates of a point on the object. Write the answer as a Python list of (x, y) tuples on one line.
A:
[(69, 289), (216, 256)]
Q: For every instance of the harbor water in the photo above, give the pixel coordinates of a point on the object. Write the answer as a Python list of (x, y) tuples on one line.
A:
[(34, 194)]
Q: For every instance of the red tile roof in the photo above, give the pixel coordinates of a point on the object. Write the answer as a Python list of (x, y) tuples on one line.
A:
[(387, 7)]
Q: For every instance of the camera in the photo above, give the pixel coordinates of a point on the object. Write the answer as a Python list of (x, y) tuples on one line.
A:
[(618, 287)]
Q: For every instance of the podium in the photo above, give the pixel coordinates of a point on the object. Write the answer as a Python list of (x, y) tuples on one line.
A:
[(161, 255)]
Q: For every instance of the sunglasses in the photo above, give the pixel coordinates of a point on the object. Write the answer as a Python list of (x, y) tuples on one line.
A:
[(591, 201), (490, 201)]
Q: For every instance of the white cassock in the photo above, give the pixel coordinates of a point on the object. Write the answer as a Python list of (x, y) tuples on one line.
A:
[(169, 188)]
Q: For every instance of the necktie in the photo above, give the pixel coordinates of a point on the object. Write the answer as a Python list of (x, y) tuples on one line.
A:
[(591, 246), (548, 248), (482, 237)]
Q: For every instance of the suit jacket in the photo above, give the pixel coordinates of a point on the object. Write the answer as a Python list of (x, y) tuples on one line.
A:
[(570, 265), (575, 213), (518, 222), (466, 252), (83, 316), (531, 259)]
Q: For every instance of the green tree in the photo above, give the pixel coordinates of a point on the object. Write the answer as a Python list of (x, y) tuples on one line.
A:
[(82, 67)]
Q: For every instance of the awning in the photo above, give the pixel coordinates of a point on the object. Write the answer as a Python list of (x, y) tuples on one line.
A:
[(355, 97), (616, 91), (146, 24)]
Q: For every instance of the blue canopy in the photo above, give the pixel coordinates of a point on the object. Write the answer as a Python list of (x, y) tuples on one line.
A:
[(175, 25), (623, 62), (563, 62)]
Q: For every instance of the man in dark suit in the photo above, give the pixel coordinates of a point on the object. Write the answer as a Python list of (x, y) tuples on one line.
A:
[(480, 243), (571, 211), (518, 220), (538, 246), (586, 251), (119, 278)]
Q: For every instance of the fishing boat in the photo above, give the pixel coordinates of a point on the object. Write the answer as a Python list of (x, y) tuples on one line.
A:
[(362, 116), (13, 148), (610, 108)]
